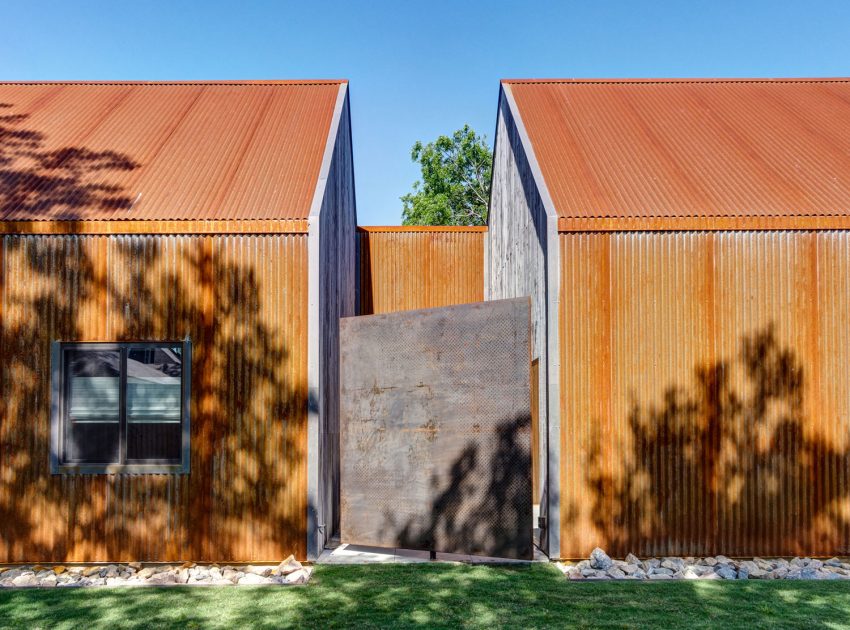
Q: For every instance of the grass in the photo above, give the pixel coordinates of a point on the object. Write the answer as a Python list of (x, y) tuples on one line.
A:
[(438, 596)]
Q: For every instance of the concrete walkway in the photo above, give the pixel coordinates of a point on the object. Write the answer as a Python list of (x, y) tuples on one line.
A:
[(358, 554)]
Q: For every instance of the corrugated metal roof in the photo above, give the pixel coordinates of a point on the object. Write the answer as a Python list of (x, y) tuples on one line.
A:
[(617, 149), (148, 151)]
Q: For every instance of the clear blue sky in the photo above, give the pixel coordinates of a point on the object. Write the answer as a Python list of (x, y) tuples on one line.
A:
[(420, 69)]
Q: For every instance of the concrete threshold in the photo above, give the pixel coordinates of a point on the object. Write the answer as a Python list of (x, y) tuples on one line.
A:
[(361, 554)]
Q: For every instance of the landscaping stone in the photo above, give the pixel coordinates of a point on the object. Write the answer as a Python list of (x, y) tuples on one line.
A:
[(252, 578), (808, 573), (166, 577), (110, 571), (726, 572), (115, 575), (600, 560), (25, 579), (290, 565), (674, 564), (718, 567), (651, 563), (764, 565)]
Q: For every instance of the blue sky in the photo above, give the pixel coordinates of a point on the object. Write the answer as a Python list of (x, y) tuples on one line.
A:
[(420, 69)]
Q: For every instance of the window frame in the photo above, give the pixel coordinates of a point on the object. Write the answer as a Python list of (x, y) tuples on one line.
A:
[(59, 465)]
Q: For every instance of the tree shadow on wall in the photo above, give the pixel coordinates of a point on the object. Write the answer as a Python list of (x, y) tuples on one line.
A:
[(484, 500), (243, 498), (730, 465), (37, 182)]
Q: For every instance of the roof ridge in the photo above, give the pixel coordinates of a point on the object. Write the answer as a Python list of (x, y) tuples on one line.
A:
[(683, 80), (261, 82)]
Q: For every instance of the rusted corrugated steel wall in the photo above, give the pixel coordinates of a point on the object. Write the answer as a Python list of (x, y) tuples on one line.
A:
[(150, 151), (416, 268), (705, 398), (243, 302)]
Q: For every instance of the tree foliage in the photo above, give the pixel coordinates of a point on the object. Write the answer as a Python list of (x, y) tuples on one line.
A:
[(455, 184)]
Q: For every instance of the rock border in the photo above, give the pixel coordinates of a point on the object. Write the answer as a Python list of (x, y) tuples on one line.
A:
[(290, 572), (600, 566)]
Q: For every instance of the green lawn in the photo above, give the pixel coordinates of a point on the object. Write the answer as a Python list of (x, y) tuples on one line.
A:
[(438, 596)]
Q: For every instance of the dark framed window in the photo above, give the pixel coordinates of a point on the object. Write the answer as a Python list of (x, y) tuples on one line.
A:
[(120, 407)]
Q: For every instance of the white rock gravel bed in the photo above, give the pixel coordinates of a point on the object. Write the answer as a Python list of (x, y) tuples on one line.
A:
[(289, 572), (601, 567)]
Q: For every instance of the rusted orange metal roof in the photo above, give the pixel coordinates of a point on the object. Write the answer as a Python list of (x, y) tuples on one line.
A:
[(689, 148), (159, 151)]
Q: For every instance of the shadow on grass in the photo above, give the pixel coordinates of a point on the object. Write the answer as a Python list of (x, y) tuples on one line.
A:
[(441, 596)]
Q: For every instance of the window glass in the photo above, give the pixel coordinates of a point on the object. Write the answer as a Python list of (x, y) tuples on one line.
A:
[(154, 394), (93, 388)]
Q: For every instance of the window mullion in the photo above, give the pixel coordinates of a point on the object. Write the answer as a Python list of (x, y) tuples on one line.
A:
[(65, 415), (122, 408)]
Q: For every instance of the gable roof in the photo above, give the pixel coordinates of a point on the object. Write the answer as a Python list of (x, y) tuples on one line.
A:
[(163, 151), (689, 149)]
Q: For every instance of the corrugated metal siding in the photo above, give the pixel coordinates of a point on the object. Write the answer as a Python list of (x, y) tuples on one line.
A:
[(243, 302), (705, 399), (691, 148), (112, 151), (410, 269)]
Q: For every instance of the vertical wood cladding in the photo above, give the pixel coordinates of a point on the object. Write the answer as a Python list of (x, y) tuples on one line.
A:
[(405, 269), (705, 399), (243, 302), (337, 291), (516, 256)]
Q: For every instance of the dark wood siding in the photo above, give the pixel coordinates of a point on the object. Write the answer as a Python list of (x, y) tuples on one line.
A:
[(243, 302)]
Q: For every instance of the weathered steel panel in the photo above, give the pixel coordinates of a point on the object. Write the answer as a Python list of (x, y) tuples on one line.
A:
[(140, 150), (243, 302), (705, 399), (435, 410), (410, 268), (666, 150)]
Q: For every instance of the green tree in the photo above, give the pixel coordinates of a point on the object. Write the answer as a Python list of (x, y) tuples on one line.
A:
[(455, 185)]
